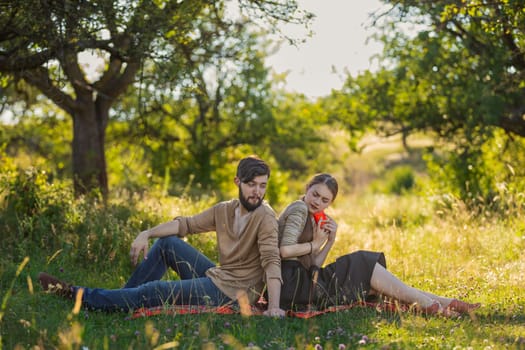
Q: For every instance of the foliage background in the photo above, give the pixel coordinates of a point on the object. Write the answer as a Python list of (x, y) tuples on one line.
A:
[(428, 152)]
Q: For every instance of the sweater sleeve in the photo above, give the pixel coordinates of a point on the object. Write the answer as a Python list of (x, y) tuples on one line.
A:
[(268, 247), (294, 223), (200, 223)]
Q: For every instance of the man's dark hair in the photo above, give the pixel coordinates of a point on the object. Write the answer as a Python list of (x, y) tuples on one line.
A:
[(251, 167)]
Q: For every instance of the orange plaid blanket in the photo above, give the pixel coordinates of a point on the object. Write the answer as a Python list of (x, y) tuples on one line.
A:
[(259, 309)]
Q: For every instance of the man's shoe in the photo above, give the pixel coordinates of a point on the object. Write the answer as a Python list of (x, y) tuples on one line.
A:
[(51, 284)]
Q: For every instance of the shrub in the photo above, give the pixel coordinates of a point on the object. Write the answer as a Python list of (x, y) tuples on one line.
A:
[(400, 180), (45, 221), (38, 216), (33, 211)]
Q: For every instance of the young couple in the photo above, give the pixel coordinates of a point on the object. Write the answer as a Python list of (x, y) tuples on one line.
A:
[(255, 250)]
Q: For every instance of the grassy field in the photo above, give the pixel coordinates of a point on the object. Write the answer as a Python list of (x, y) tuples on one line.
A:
[(431, 242), (448, 252)]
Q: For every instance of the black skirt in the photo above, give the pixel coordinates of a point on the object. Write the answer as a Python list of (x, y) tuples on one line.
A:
[(344, 281)]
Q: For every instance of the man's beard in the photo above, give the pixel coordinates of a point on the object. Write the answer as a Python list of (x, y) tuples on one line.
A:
[(248, 205)]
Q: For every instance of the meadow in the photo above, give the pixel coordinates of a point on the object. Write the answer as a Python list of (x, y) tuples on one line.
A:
[(432, 242)]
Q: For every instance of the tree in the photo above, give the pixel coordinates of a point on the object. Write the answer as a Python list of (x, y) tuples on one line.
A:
[(300, 134), (213, 98), (458, 74), (41, 41), (216, 98), (464, 69)]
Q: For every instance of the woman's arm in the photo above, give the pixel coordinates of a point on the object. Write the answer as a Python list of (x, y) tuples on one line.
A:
[(319, 257), (293, 227), (295, 250), (326, 234)]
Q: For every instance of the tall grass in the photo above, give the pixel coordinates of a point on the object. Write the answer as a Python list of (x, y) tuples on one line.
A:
[(439, 247)]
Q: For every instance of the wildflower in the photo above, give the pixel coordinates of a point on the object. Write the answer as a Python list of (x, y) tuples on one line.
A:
[(113, 337), (341, 347), (137, 333), (318, 347), (168, 330), (227, 324), (364, 340)]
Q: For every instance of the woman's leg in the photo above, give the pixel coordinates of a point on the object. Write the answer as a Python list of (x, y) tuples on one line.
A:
[(385, 283), (199, 291), (172, 252)]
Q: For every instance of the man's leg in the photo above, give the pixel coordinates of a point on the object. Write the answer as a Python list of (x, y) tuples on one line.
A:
[(198, 291), (172, 252)]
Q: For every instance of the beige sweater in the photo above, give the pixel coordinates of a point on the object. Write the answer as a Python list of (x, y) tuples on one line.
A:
[(296, 226), (246, 260)]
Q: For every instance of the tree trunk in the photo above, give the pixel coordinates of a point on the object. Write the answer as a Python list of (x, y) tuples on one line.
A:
[(203, 168), (89, 160)]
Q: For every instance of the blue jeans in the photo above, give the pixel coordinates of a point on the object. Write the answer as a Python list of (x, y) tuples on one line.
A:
[(145, 289)]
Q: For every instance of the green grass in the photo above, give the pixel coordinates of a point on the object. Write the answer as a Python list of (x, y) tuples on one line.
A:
[(451, 252), (431, 242)]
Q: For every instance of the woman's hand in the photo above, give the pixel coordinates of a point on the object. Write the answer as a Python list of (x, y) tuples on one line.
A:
[(329, 231), (320, 236), (140, 244), (330, 228)]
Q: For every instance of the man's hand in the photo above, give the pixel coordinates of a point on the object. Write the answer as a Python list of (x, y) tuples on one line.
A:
[(140, 244), (275, 312)]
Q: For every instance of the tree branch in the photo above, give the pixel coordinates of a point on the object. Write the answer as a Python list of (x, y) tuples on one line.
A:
[(40, 78)]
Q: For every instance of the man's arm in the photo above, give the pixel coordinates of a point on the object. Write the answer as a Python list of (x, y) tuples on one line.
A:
[(140, 244), (180, 226), (274, 294), (271, 263)]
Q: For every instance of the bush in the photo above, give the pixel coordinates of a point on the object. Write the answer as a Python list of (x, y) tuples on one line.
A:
[(400, 180), (45, 221), (38, 216), (33, 211), (490, 177)]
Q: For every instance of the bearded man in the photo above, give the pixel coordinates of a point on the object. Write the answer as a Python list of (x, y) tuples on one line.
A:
[(247, 241)]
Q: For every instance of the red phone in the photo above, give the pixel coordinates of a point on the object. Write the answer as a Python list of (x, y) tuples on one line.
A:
[(320, 215)]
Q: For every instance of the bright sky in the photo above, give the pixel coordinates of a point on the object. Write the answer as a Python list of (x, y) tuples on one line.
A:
[(339, 41)]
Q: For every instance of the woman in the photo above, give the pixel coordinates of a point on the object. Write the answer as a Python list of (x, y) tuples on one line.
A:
[(304, 243)]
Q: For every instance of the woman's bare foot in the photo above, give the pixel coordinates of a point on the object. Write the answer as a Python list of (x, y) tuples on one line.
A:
[(462, 306), (435, 308)]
